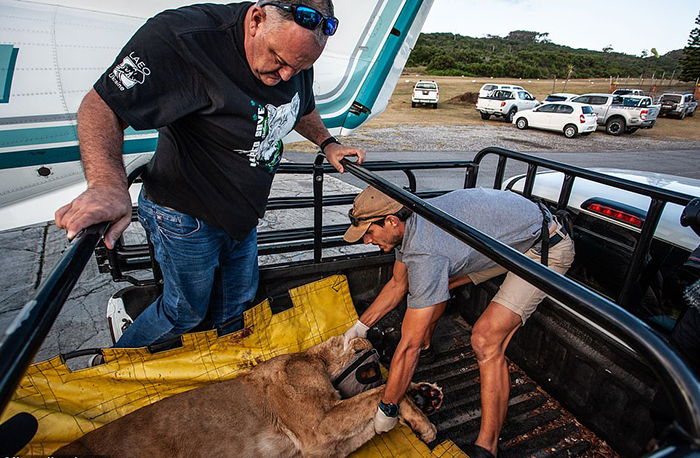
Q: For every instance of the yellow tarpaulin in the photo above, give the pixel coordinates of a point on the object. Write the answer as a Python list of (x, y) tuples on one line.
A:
[(70, 404)]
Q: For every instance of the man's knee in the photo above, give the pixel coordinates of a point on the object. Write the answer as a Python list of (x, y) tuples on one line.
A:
[(485, 344)]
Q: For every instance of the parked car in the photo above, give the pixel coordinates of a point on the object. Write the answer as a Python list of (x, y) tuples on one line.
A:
[(611, 220), (570, 118), (488, 88), (627, 91), (505, 103), (680, 105), (560, 97), (425, 93), (621, 114)]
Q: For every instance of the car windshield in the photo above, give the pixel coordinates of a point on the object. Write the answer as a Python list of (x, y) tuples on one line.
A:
[(555, 98), (425, 86), (671, 98), (622, 91)]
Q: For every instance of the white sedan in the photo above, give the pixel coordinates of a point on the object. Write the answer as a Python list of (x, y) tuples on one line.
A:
[(569, 117)]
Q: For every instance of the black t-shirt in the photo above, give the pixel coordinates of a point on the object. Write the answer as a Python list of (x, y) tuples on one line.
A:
[(220, 128)]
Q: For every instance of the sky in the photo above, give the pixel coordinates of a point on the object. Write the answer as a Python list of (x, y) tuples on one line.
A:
[(628, 27)]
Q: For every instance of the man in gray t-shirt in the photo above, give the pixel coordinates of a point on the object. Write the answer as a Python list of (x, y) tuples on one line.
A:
[(430, 262)]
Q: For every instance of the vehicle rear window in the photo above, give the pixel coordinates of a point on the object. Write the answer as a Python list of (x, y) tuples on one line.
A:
[(555, 98), (426, 86), (671, 98), (489, 87), (587, 110), (630, 101)]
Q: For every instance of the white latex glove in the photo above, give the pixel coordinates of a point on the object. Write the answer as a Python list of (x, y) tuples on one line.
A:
[(382, 423), (358, 329)]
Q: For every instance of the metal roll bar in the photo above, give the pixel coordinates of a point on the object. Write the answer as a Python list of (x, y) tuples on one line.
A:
[(673, 375)]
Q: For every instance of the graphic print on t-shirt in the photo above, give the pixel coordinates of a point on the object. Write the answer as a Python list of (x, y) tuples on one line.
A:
[(129, 72), (274, 123)]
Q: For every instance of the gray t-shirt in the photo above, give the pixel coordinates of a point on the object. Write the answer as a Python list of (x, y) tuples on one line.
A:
[(432, 255)]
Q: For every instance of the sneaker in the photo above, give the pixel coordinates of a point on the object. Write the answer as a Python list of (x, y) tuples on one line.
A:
[(117, 318), (96, 360)]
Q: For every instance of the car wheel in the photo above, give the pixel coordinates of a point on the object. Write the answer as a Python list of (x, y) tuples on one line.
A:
[(511, 115), (413, 104), (631, 130), (570, 131), (682, 115), (485, 116), (692, 113), (435, 106), (521, 123), (615, 126)]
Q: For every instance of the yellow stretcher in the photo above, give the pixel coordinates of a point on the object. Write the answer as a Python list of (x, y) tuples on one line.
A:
[(69, 404)]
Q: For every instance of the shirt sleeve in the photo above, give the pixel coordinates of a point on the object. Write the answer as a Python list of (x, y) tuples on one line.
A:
[(428, 281), (150, 84), (311, 102)]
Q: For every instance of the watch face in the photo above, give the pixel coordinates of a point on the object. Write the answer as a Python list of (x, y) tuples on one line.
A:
[(390, 410)]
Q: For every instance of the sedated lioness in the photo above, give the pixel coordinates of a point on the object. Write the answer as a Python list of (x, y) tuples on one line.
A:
[(284, 407)]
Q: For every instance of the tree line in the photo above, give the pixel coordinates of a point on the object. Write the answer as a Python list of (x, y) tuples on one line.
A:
[(527, 54)]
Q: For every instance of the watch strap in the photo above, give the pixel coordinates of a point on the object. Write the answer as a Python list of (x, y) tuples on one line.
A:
[(328, 141), (389, 409)]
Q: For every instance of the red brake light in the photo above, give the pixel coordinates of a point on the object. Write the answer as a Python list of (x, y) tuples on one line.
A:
[(615, 214), (503, 104), (582, 119), (644, 113)]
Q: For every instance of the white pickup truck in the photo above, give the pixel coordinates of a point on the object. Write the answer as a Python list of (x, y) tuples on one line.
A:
[(505, 103), (622, 114)]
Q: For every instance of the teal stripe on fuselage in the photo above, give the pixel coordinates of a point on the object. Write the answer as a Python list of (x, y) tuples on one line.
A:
[(49, 156), (374, 82), (47, 135)]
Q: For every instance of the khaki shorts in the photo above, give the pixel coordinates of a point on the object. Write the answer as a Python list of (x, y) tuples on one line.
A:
[(518, 295)]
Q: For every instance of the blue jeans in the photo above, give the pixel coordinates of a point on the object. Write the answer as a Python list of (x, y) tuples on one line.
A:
[(203, 268)]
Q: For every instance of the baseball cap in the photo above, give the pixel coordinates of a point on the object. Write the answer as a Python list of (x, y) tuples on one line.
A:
[(369, 206)]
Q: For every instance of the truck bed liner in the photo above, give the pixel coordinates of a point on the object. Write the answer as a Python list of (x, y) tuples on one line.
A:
[(536, 424)]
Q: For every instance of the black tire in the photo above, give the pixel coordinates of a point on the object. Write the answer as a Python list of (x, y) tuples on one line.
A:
[(485, 116), (586, 134), (413, 104), (570, 131), (631, 130), (682, 115), (521, 123), (692, 113), (511, 115), (435, 106), (615, 126)]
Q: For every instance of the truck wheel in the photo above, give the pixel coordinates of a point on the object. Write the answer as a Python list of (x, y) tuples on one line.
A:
[(692, 113), (521, 123), (435, 106), (570, 131), (682, 115), (485, 116), (631, 130), (615, 126), (413, 104), (511, 115)]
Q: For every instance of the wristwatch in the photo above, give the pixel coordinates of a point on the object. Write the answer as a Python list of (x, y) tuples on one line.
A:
[(390, 410), (328, 141)]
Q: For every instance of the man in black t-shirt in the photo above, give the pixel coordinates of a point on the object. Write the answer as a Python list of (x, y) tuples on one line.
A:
[(223, 84)]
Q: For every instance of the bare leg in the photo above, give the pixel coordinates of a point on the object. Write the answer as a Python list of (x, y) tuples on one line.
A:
[(437, 313), (490, 337)]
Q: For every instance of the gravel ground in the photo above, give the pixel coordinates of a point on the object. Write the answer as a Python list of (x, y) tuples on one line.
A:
[(498, 133)]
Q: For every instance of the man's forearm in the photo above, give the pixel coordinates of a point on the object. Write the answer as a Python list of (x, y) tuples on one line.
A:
[(386, 301), (403, 366), (311, 127), (101, 135)]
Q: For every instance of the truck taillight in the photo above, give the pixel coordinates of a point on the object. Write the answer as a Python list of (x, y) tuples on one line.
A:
[(644, 114), (615, 214), (582, 119), (503, 104)]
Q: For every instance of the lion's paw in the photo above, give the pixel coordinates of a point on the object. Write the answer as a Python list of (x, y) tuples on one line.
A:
[(426, 396)]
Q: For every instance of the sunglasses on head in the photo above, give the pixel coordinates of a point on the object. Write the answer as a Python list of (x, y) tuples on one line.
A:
[(308, 17), (355, 221)]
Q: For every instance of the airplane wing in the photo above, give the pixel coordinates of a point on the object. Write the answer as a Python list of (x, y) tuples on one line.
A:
[(51, 55)]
